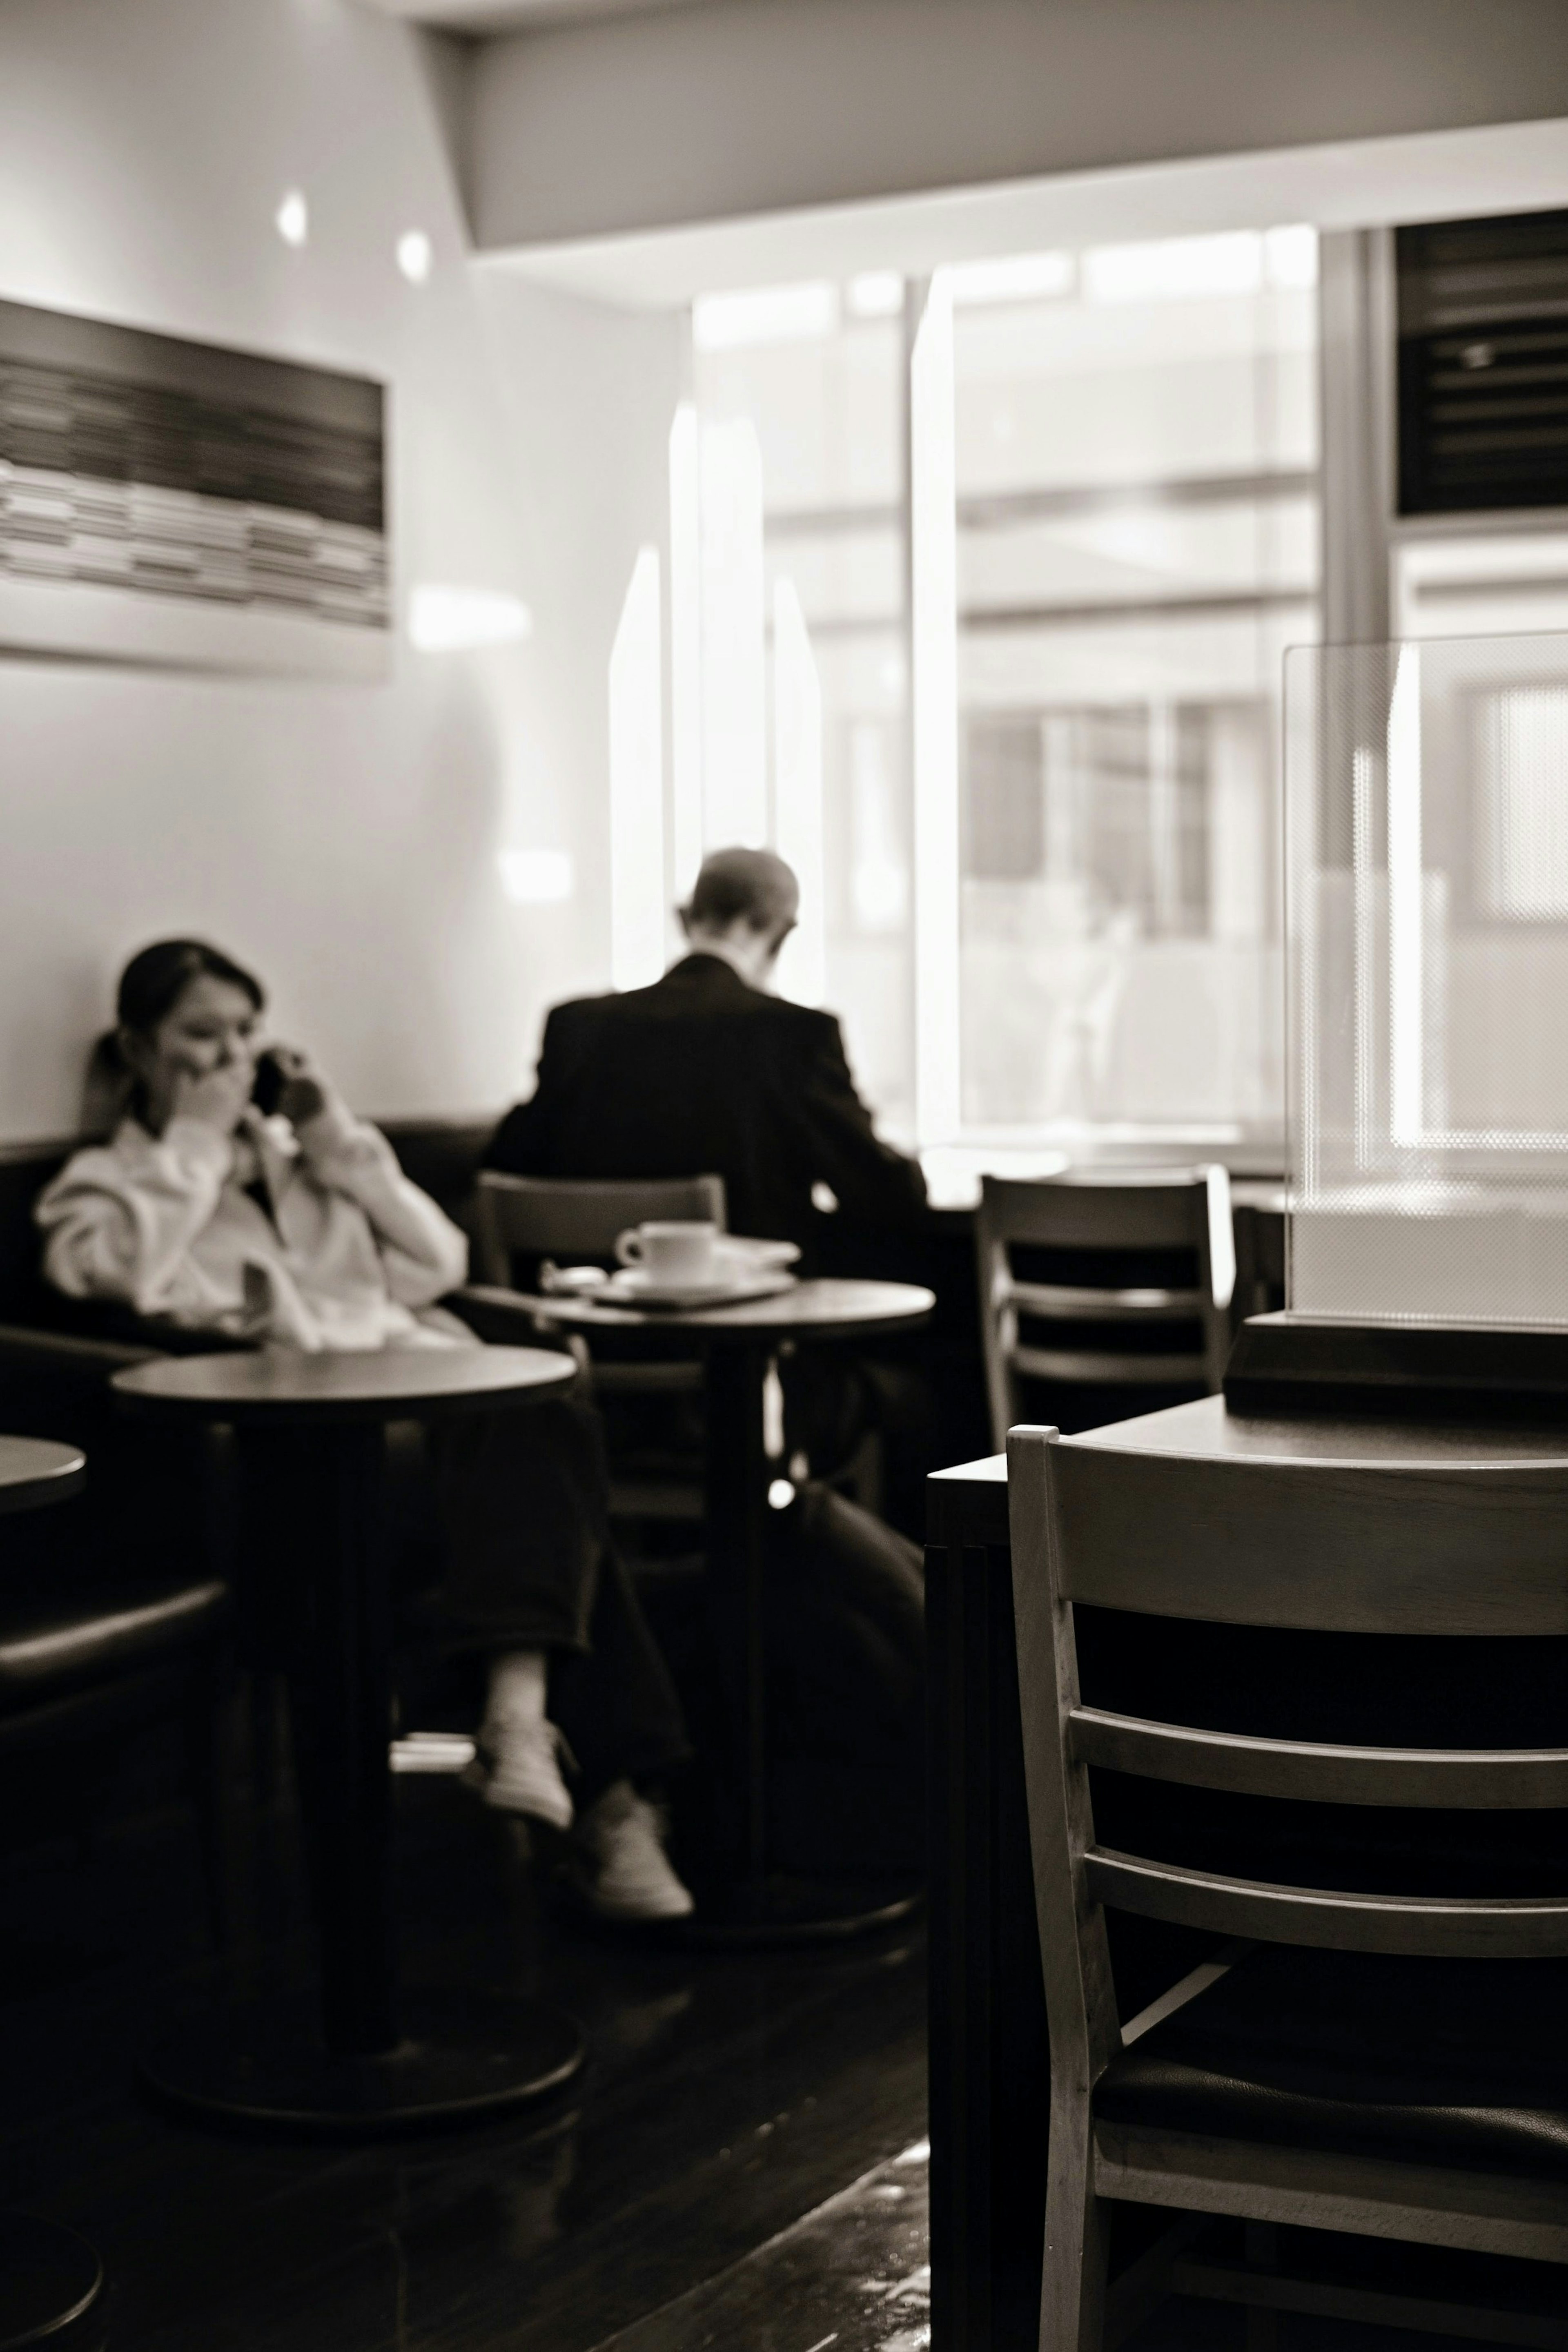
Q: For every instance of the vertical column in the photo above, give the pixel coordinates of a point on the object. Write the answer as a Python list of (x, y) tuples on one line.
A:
[(1357, 331), (686, 654), (931, 491), (797, 794), (637, 914), (734, 693)]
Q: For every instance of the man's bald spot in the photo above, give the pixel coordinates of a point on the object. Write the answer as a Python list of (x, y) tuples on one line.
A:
[(744, 885)]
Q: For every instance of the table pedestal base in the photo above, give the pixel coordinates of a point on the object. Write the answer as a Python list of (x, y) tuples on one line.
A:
[(786, 1910), (463, 2057), (48, 2277)]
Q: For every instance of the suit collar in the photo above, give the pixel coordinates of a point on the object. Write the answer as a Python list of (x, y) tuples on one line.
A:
[(706, 970)]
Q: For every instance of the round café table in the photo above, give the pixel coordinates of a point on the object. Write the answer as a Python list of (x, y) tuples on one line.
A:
[(740, 1343), (311, 1434), (49, 2277)]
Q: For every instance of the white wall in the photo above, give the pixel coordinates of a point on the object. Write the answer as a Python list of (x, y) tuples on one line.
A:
[(758, 106), (341, 838)]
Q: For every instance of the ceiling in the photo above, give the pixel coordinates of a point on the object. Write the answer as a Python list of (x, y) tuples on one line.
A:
[(517, 16), (1425, 175)]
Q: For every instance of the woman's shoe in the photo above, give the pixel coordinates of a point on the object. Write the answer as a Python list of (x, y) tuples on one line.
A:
[(517, 1769), (621, 1869)]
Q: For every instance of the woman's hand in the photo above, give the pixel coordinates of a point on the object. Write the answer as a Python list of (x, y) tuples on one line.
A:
[(215, 1098), (307, 1090)]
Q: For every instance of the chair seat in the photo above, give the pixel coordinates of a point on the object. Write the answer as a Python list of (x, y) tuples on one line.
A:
[(81, 1635), (1435, 2062)]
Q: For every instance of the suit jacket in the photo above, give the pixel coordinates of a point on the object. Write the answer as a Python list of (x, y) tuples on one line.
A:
[(703, 1075)]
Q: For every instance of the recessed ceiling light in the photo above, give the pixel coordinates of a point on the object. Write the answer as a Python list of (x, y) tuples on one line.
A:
[(415, 256), (292, 218)]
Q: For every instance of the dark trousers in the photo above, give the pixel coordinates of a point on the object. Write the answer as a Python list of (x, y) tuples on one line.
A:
[(530, 1565)]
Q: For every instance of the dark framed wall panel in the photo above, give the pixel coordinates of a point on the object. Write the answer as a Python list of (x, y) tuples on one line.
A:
[(176, 502), (1483, 364)]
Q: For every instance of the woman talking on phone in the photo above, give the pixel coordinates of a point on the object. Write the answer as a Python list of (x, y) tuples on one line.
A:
[(238, 1193)]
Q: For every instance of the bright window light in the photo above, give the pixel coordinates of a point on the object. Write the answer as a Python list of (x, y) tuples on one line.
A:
[(637, 912), (536, 878), (443, 620), (735, 745), (1291, 256), (415, 256), (876, 294), (878, 872), (934, 547), (292, 218), (1177, 269), (686, 652), (1407, 1105), (1018, 277), (797, 794), (765, 314), (1522, 737)]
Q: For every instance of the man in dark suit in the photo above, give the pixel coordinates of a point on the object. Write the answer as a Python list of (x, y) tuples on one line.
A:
[(706, 1072)]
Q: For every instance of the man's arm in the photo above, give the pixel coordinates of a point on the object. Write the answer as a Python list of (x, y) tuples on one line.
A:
[(871, 1182), (522, 1144)]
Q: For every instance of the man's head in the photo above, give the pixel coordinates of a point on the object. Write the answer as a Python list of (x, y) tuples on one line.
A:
[(743, 908)]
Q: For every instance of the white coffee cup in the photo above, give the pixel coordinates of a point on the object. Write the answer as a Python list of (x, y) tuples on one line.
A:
[(669, 1253)]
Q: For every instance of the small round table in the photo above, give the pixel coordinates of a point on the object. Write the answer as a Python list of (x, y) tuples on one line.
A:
[(314, 1427), (49, 2277), (740, 1344)]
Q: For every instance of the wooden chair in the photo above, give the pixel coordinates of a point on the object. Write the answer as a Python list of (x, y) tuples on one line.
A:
[(534, 1217), (1381, 2065), (1091, 1232)]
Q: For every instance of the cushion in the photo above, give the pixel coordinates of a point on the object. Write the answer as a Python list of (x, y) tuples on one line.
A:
[(1438, 2061)]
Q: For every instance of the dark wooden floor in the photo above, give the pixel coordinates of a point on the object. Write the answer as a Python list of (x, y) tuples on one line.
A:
[(725, 2097), (740, 2168)]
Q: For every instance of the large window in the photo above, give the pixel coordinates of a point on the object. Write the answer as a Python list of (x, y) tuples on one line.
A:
[(1137, 508), (1080, 491)]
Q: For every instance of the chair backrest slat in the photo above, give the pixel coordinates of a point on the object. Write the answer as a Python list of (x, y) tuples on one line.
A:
[(1113, 1219), (1060, 1301), (1417, 1925), (544, 1216), (1322, 1773), (1339, 1547), (1089, 1364)]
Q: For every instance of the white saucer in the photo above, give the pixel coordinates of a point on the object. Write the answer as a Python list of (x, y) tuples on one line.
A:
[(633, 1287), (749, 1253)]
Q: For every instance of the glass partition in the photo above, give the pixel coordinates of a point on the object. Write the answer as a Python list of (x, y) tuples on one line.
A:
[(1426, 890)]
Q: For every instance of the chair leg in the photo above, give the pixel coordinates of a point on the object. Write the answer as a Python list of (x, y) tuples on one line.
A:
[(1261, 2247), (1077, 2237)]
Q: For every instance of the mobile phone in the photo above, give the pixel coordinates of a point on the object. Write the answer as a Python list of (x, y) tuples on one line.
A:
[(267, 1092)]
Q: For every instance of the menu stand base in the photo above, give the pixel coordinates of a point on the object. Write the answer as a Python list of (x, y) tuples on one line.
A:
[(463, 2058), (48, 2277)]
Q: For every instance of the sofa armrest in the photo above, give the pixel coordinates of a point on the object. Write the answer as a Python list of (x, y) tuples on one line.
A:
[(22, 1345)]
